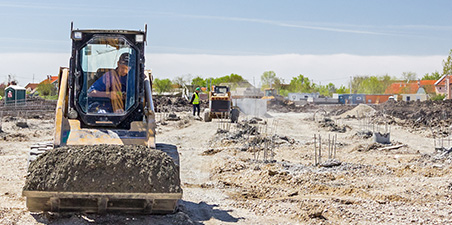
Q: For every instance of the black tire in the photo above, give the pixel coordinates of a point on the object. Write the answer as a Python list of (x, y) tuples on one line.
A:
[(207, 117), (235, 115)]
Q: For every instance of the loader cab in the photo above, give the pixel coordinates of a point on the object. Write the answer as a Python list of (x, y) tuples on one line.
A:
[(270, 92), (221, 89), (106, 77)]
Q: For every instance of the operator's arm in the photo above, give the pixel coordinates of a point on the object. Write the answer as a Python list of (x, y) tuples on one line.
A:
[(192, 98), (98, 89), (104, 94), (101, 94)]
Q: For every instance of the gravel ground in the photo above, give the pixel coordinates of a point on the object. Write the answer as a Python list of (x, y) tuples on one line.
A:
[(240, 181)]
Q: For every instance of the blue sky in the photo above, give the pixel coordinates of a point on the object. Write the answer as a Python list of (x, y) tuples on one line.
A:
[(248, 36)]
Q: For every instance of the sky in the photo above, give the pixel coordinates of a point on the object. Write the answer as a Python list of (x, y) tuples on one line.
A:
[(325, 40)]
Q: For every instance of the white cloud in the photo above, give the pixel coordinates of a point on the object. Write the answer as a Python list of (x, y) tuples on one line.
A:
[(23, 66), (321, 68)]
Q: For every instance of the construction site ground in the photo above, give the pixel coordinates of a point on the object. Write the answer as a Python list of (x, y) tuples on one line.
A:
[(263, 171)]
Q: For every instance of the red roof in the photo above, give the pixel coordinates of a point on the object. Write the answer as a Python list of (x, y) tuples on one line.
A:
[(53, 79), (442, 80), (50, 79), (411, 87), (32, 86), (428, 85)]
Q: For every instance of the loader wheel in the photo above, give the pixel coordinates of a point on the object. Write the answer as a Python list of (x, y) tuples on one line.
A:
[(207, 117), (235, 115)]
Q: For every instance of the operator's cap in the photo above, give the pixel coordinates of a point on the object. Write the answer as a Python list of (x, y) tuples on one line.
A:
[(124, 59), (197, 89)]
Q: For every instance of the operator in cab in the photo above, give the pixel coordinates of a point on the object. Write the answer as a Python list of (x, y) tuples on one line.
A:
[(113, 85)]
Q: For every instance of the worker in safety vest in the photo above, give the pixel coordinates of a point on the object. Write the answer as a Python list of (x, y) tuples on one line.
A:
[(195, 101)]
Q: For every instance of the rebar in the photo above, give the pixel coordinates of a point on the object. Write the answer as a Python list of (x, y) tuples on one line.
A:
[(315, 150), (335, 139), (320, 149)]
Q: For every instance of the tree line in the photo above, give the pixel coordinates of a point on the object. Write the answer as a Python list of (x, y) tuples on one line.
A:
[(363, 84)]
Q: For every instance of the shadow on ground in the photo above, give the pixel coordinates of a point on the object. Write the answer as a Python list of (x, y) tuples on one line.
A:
[(200, 212), (188, 213)]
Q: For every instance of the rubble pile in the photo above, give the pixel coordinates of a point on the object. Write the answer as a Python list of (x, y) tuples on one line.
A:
[(332, 126), (419, 114), (34, 108), (174, 104), (170, 104), (249, 138)]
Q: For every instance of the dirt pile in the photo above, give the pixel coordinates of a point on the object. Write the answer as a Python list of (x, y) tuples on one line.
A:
[(104, 168), (359, 111)]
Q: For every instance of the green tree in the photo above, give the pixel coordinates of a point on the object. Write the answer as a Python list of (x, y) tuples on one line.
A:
[(278, 83), (371, 84), (409, 76), (447, 64), (301, 84), (2, 89), (437, 97), (164, 85), (357, 83), (46, 88), (198, 82), (233, 79), (433, 76), (182, 80), (342, 90), (326, 90), (268, 79), (386, 80), (284, 92)]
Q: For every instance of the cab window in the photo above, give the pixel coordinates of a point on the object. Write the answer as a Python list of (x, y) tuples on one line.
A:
[(108, 68)]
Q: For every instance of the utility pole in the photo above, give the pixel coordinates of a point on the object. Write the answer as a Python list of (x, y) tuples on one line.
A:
[(351, 84)]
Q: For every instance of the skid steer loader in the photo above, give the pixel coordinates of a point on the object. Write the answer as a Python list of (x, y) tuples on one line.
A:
[(103, 108), (220, 105)]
